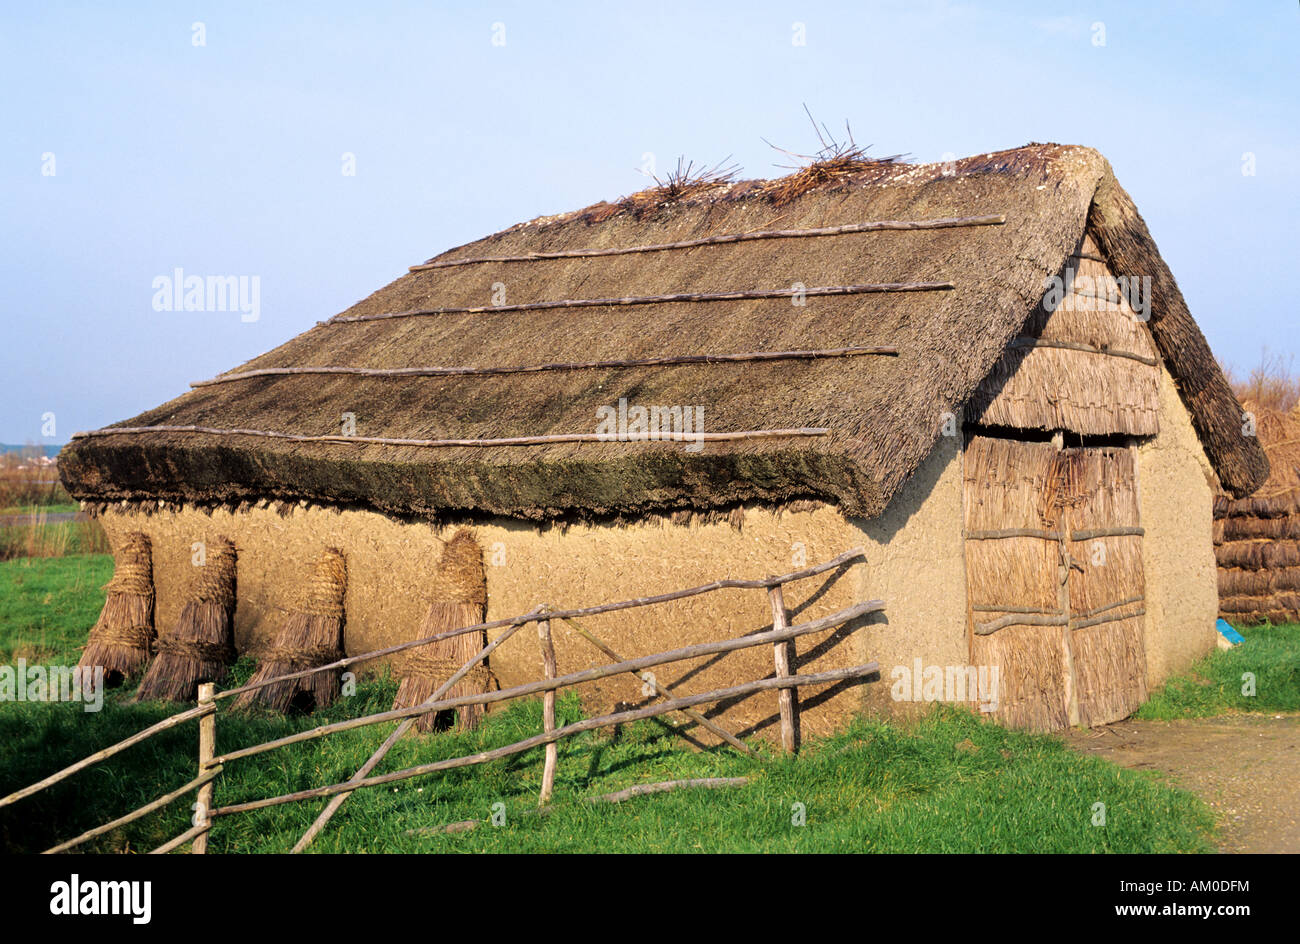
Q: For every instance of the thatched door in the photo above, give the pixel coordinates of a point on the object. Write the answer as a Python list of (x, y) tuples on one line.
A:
[(1054, 579)]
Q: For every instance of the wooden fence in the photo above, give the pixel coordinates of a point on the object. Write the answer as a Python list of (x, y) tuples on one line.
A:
[(210, 764)]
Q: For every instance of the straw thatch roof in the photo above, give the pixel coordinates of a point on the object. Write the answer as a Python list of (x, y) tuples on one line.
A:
[(882, 413)]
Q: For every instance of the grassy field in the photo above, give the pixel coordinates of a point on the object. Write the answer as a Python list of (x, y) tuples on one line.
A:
[(1216, 685), (41, 538), (949, 783), (48, 604), (59, 507)]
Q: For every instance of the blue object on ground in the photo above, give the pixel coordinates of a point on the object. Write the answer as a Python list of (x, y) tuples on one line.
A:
[(1227, 632)]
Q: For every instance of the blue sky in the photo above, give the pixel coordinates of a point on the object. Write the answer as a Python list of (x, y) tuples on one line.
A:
[(227, 158)]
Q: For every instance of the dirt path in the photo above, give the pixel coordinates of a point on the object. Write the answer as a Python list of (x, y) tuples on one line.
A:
[(1246, 767)]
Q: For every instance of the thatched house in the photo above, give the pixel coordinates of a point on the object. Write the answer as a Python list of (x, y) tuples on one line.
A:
[(1257, 539), (1032, 479)]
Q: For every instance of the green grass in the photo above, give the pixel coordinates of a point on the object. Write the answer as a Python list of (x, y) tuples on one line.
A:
[(48, 604), (1214, 686), (52, 539), (31, 509), (948, 783)]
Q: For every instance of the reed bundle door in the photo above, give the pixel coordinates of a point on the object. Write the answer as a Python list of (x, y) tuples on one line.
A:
[(1054, 580)]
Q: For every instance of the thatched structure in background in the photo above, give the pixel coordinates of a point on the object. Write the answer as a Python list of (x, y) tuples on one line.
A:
[(122, 637), (459, 598), (1257, 539), (201, 646), (312, 635)]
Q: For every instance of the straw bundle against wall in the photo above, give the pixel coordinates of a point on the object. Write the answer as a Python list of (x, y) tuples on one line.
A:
[(311, 636), (200, 648), (121, 638), (459, 599), (1257, 538)]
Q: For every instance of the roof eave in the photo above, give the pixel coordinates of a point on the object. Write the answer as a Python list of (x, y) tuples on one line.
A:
[(1217, 416)]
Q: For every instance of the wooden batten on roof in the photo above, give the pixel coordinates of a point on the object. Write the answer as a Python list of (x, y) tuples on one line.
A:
[(706, 303), (721, 239)]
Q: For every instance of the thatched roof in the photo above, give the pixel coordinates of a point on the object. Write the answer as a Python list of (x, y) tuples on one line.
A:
[(882, 414)]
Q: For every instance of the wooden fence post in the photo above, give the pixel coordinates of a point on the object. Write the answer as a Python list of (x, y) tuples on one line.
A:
[(207, 751), (786, 699), (548, 712)]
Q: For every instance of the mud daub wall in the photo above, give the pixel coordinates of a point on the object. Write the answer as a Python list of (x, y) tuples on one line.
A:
[(913, 562), (1177, 500)]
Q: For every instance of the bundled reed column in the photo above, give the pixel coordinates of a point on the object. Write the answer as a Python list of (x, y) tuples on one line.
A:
[(458, 598), (201, 647), (121, 639), (311, 636)]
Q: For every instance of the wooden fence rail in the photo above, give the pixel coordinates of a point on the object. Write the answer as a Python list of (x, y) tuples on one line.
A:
[(588, 724), (210, 765), (399, 732), (574, 678), (95, 758), (134, 815), (663, 691), (761, 583), (548, 713)]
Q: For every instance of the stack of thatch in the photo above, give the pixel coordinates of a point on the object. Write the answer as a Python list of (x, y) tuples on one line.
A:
[(459, 599), (312, 636), (121, 638), (201, 647), (1257, 539)]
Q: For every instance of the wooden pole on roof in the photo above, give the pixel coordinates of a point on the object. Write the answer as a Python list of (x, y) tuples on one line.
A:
[(816, 291), (432, 371), (846, 228), (447, 443)]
